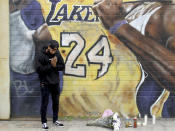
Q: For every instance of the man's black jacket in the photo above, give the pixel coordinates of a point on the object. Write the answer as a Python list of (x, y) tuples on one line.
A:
[(47, 73)]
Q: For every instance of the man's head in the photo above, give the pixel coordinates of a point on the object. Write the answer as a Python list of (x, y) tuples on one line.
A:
[(53, 47)]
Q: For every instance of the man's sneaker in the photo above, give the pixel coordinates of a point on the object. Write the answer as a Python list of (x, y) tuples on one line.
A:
[(45, 126), (57, 123)]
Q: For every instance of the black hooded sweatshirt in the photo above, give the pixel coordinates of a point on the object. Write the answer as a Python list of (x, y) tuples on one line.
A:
[(47, 73)]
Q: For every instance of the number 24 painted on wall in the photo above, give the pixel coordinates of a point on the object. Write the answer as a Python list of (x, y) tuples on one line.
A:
[(99, 53)]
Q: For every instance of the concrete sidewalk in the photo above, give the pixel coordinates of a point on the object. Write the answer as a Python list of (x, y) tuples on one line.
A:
[(80, 125)]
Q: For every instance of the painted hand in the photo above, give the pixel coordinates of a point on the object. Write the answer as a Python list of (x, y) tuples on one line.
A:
[(109, 11)]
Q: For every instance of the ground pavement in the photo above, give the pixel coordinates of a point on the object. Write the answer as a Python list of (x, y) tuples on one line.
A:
[(80, 125)]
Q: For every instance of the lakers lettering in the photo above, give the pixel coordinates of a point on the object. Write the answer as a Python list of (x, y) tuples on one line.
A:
[(57, 17)]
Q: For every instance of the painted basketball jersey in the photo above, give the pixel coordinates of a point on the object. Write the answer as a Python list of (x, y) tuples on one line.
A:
[(100, 71)]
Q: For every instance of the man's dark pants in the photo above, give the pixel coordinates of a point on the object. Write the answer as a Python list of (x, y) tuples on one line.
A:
[(47, 89)]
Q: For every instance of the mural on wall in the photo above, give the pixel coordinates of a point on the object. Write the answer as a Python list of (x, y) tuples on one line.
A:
[(101, 71)]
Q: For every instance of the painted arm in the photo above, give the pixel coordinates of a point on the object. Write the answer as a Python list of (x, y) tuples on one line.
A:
[(41, 38), (156, 59)]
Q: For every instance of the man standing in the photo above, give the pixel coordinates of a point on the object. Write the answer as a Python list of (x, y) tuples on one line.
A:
[(48, 64)]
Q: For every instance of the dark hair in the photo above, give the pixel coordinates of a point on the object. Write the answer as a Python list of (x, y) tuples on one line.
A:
[(53, 44)]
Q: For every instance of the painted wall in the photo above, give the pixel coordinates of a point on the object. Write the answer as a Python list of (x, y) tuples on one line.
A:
[(4, 61), (101, 72)]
